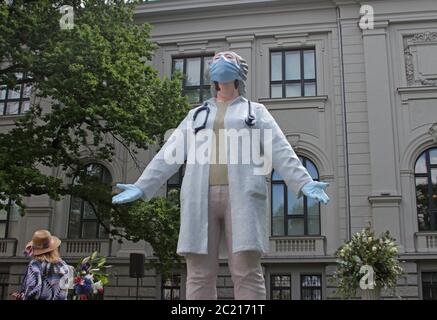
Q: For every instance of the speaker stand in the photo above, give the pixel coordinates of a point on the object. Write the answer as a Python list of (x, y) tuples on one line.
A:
[(138, 284)]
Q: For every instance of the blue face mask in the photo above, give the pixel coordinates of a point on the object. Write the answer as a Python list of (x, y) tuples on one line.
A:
[(223, 71)]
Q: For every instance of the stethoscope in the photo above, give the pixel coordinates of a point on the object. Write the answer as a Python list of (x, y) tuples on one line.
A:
[(250, 119)]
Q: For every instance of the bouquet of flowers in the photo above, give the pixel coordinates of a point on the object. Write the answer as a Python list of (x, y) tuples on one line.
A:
[(367, 254), (89, 278)]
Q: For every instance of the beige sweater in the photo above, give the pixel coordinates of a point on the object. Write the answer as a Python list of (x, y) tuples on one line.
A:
[(218, 170)]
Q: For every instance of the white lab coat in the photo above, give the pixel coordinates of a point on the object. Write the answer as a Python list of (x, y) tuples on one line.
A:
[(248, 192)]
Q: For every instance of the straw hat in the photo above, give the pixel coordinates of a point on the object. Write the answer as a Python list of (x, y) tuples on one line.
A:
[(42, 242)]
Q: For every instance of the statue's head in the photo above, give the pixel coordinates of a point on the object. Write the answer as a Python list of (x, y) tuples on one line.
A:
[(227, 66)]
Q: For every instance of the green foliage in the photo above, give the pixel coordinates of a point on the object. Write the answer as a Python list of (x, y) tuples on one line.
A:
[(94, 93), (157, 222), (366, 249)]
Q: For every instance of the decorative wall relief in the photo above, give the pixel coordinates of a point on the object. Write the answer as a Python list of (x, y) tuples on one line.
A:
[(293, 139), (420, 50), (433, 131)]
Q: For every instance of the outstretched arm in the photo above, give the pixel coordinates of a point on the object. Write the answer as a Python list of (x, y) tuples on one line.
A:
[(160, 169)]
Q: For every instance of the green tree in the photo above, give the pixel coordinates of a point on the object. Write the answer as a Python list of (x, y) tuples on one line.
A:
[(94, 90)]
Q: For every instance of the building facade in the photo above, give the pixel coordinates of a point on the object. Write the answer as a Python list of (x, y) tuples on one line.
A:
[(358, 105)]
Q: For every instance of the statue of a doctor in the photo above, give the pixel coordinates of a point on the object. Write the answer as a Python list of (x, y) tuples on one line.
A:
[(224, 203)]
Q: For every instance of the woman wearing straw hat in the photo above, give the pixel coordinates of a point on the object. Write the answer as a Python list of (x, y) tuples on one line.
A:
[(47, 276)]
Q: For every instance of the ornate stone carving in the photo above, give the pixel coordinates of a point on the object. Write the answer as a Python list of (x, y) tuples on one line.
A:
[(413, 75), (425, 36), (409, 68), (293, 139), (433, 131)]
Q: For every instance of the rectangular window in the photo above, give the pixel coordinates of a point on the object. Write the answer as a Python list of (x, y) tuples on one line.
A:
[(278, 207), (429, 285), (293, 73), (280, 287), (196, 83), (15, 100), (83, 222), (171, 287), (311, 287), (175, 181), (225, 288), (4, 279), (4, 220)]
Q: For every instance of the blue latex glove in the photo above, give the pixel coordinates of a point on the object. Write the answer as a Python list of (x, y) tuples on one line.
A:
[(316, 190), (130, 193)]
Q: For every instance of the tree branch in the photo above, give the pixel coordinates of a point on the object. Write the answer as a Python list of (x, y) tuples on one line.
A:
[(134, 158), (98, 216)]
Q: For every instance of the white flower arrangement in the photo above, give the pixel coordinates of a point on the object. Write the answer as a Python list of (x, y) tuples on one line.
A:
[(381, 254)]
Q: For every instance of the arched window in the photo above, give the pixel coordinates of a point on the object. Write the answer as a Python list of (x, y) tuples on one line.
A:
[(425, 173), (83, 222), (291, 216)]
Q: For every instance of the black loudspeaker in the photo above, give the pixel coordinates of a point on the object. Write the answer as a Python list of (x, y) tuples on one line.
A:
[(136, 265)]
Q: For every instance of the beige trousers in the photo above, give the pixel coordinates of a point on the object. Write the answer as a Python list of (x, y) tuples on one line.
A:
[(245, 266)]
